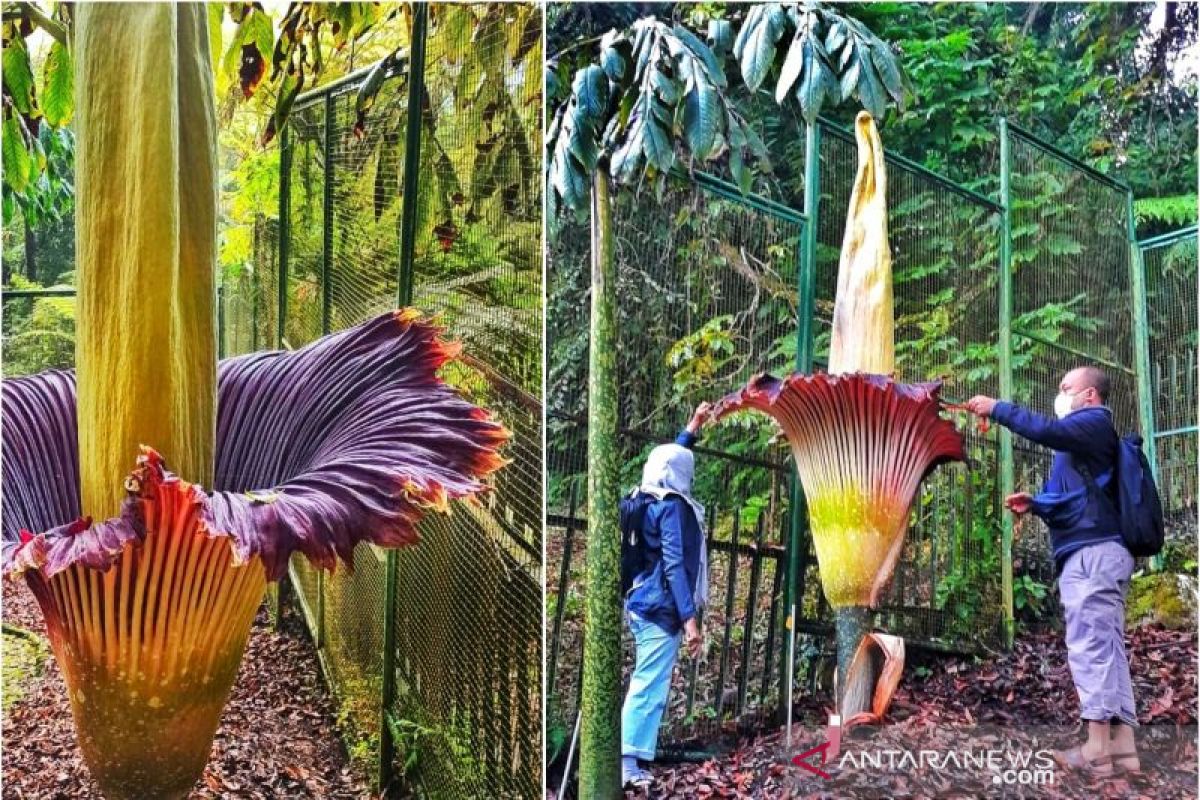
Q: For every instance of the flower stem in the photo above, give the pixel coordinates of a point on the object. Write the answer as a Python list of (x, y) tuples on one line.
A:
[(852, 623)]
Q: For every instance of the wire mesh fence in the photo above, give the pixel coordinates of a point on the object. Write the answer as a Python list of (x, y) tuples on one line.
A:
[(1170, 265), (1073, 305), (710, 281), (461, 715)]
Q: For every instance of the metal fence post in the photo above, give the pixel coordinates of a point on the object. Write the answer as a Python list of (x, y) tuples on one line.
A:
[(284, 227), (327, 222), (221, 321), (1007, 467), (285, 214), (797, 548), (1141, 347), (408, 226)]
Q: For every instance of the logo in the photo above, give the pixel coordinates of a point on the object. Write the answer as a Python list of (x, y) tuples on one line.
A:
[(801, 760), (1006, 765)]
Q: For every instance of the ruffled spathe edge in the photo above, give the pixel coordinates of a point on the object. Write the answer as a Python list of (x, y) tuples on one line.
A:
[(764, 392), (353, 438)]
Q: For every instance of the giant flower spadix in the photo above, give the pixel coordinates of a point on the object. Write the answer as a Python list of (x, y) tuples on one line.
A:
[(861, 442), (149, 579)]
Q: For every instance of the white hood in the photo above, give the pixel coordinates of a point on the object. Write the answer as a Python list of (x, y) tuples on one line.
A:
[(669, 469)]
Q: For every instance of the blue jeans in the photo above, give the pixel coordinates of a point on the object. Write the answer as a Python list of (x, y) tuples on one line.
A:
[(648, 688)]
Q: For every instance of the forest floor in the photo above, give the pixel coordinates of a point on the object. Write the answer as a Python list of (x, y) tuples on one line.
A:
[(278, 736), (1014, 705)]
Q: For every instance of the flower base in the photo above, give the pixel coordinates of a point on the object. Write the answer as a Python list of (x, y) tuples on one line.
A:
[(149, 648)]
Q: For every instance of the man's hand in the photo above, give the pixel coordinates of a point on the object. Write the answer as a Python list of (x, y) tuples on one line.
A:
[(699, 417), (692, 637), (981, 405), (1019, 503)]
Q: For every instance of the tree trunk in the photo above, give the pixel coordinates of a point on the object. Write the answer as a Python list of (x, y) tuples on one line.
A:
[(600, 744), (30, 251)]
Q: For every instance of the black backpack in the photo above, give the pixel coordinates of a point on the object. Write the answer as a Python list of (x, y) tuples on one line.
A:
[(1138, 503), (634, 550), (1134, 497)]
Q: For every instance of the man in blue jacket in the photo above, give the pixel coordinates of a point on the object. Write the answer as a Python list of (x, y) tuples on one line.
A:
[(667, 596), (1091, 560)]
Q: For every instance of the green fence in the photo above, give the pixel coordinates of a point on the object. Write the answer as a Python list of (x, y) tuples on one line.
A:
[(996, 295), (435, 651), (1077, 297), (1170, 266)]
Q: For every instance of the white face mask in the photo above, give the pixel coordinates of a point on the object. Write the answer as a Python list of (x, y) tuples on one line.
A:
[(1063, 404)]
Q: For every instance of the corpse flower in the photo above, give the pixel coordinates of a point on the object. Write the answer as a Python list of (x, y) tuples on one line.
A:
[(351, 439), (149, 580), (862, 442)]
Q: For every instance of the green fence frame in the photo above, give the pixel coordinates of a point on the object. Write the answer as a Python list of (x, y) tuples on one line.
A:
[(310, 588), (1170, 432), (1139, 370)]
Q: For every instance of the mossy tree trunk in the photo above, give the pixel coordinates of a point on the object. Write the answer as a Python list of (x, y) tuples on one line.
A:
[(600, 747)]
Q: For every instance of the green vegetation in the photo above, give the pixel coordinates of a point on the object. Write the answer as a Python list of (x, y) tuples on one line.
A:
[(1165, 598), (24, 656)]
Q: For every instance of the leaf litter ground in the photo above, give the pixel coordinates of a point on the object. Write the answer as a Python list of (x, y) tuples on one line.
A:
[(278, 736), (1010, 703)]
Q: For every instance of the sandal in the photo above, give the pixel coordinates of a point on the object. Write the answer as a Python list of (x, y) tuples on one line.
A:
[(639, 779), (1075, 759), (1122, 768)]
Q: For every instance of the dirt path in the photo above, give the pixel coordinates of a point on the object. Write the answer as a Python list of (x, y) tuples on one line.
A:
[(277, 738)]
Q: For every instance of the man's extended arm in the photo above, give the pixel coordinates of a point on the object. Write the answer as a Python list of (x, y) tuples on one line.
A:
[(1077, 432), (689, 435)]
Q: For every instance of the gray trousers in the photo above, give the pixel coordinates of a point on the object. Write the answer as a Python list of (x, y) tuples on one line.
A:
[(1093, 586)]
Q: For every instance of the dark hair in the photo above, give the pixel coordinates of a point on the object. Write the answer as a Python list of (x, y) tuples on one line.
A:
[(1098, 380)]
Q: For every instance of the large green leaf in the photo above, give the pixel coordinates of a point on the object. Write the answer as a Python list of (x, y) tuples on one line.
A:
[(591, 90), (869, 88), (700, 51), (885, 64), (18, 165), (259, 33), (58, 89), (793, 65), (755, 45), (817, 79), (18, 75), (720, 36), (702, 119), (656, 144)]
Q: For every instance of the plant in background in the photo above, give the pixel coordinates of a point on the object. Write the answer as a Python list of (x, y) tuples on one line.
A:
[(1028, 595), (149, 583), (862, 443)]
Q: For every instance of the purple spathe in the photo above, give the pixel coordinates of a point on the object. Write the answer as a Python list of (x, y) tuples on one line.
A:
[(349, 439)]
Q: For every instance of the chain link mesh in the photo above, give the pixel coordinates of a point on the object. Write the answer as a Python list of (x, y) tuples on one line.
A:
[(1171, 307), (709, 284), (1072, 305), (467, 713)]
